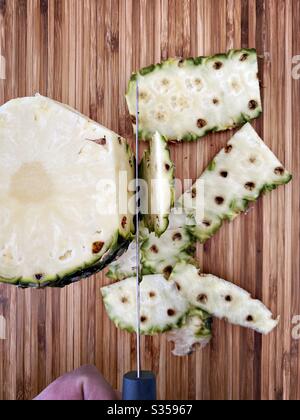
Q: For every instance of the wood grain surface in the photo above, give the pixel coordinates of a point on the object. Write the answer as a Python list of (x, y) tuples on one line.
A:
[(82, 52)]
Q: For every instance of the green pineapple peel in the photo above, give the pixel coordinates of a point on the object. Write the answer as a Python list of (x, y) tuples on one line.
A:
[(237, 176), (185, 99)]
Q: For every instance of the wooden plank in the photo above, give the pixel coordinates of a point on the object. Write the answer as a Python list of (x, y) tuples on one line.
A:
[(82, 52)]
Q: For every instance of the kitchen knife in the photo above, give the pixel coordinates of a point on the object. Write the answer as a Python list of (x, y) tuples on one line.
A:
[(139, 384)]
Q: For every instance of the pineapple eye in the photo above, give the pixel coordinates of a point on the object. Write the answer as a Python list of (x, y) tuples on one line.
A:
[(124, 222), (279, 171), (201, 123), (252, 159), (252, 105), (178, 286), (250, 186), (167, 166), (202, 299), (143, 318), (97, 247), (177, 237), (218, 65), (228, 298), (216, 101), (133, 119), (152, 294), (165, 82), (39, 276), (228, 148), (168, 271), (154, 249), (224, 174), (250, 318), (219, 200), (171, 312), (206, 223), (124, 299), (194, 193), (143, 95), (160, 116), (244, 57)]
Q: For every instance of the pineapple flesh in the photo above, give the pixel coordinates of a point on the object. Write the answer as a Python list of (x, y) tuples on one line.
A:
[(60, 174), (158, 192), (162, 306), (237, 176), (195, 331), (222, 299), (187, 99)]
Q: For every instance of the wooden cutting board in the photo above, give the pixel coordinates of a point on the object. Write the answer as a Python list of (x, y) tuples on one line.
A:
[(82, 52)]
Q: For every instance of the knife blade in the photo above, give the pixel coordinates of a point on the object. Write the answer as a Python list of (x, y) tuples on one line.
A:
[(138, 385)]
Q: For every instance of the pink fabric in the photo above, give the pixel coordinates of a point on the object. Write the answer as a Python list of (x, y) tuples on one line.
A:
[(85, 383)]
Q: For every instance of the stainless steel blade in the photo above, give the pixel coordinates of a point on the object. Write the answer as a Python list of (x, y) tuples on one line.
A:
[(138, 265)]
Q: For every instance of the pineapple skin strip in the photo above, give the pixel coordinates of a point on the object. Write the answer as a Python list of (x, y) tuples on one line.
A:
[(158, 254), (158, 172), (222, 299), (162, 306), (186, 99), (244, 170)]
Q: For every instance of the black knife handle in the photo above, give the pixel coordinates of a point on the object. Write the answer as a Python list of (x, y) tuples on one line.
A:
[(139, 389)]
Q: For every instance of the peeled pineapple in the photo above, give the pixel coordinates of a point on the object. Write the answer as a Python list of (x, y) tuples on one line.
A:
[(61, 175), (187, 99)]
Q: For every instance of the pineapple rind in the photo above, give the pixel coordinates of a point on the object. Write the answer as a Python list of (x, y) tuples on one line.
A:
[(117, 248), (169, 251), (232, 95), (125, 266), (222, 299), (158, 171), (165, 310), (245, 169), (160, 255), (196, 330)]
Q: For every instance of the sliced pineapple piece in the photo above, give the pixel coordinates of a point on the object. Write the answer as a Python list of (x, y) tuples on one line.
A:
[(222, 299), (60, 218), (157, 170), (238, 175), (187, 99), (162, 306), (160, 255), (196, 331)]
